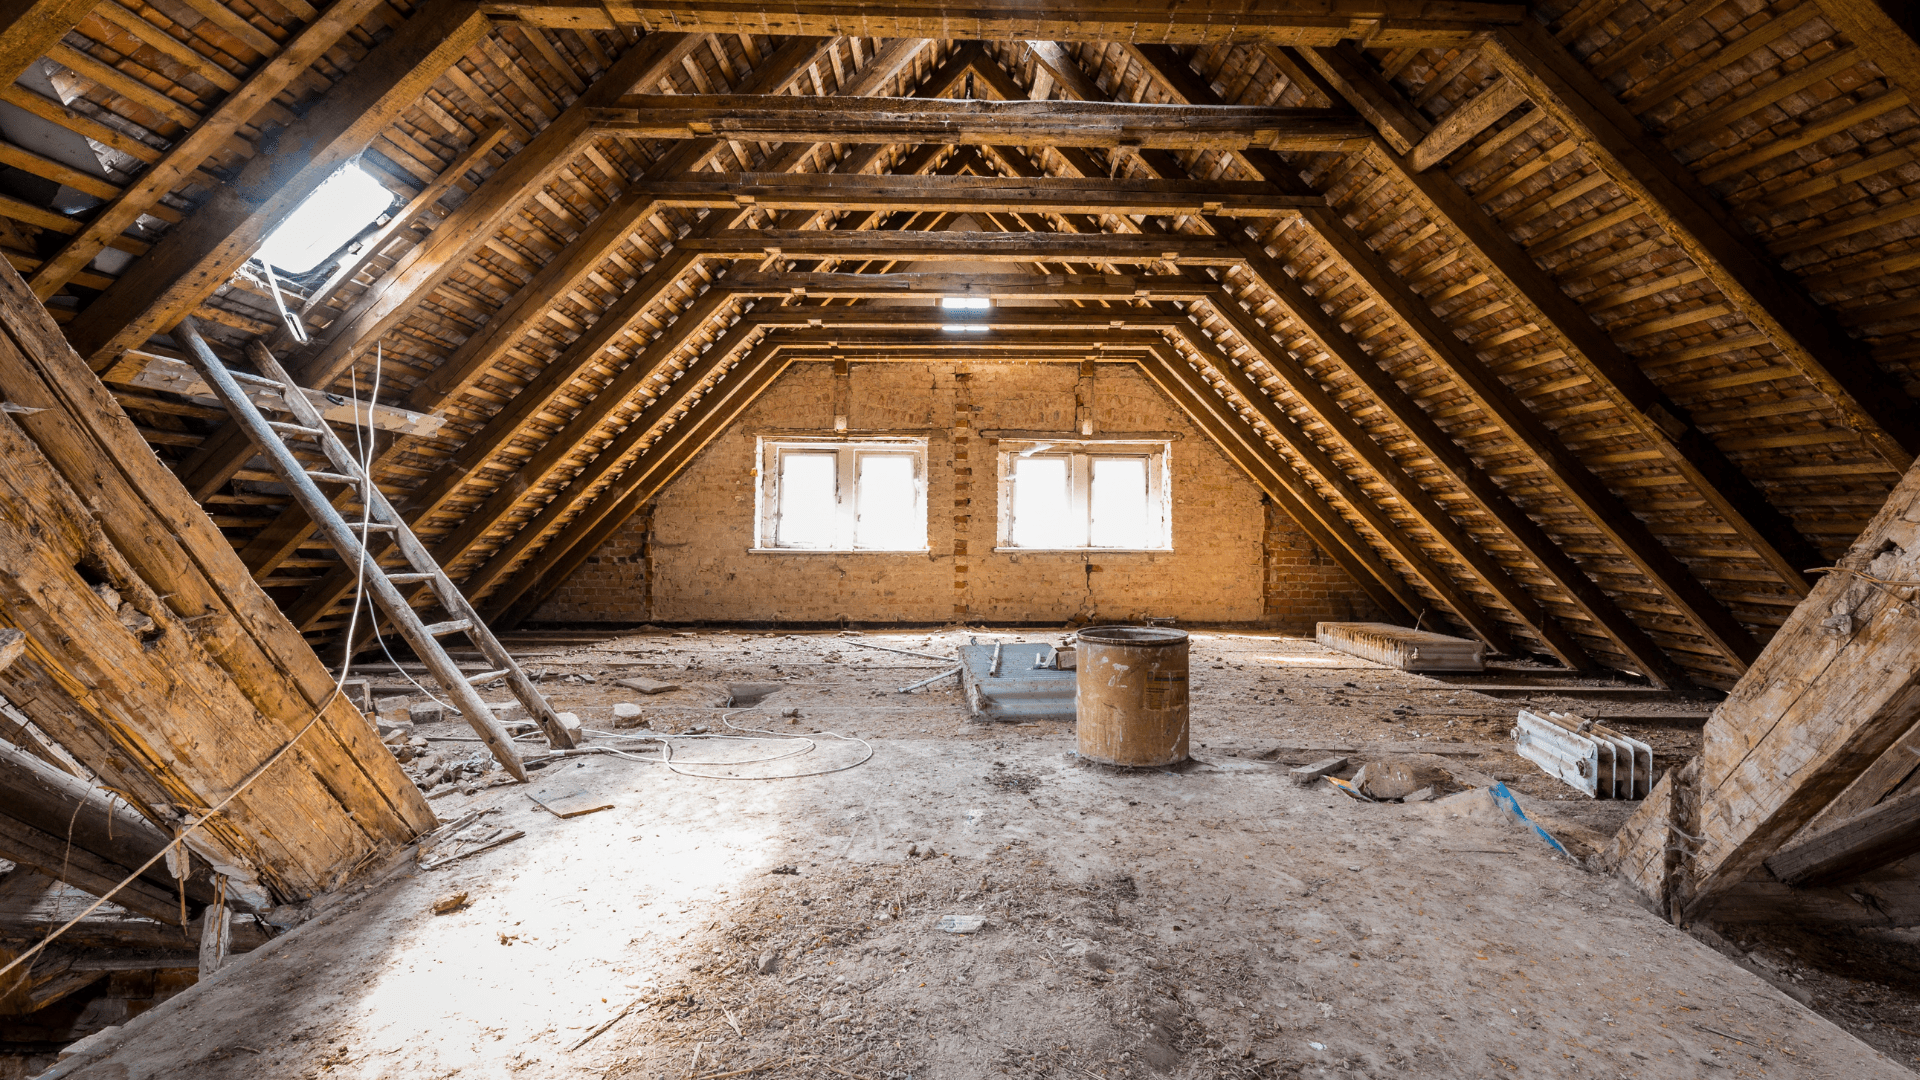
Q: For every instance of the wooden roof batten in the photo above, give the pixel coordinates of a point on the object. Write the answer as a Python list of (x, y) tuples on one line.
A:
[(1306, 311), (763, 246), (1322, 359), (1600, 506)]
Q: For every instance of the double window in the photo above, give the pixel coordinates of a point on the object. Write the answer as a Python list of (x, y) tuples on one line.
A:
[(853, 495), (1084, 497)]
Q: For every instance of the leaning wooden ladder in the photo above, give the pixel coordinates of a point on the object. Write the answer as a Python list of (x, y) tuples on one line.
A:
[(350, 540)]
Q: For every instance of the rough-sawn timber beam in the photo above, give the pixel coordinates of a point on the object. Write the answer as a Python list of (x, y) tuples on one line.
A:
[(1808, 336), (1382, 23), (779, 118), (964, 246), (198, 255), (1866, 841), (959, 194), (1596, 501), (1173, 72), (1837, 686), (28, 28)]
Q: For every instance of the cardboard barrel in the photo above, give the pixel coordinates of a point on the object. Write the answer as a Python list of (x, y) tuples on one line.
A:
[(1130, 699)]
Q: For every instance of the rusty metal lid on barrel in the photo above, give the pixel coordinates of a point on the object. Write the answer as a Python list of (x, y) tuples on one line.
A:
[(1130, 701)]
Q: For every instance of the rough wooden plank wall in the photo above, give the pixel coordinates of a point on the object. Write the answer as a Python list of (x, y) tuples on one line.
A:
[(174, 717)]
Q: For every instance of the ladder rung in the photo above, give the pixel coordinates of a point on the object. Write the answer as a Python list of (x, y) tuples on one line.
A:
[(409, 579), (452, 626), (332, 477), (295, 429), (257, 380), (488, 676), (372, 526)]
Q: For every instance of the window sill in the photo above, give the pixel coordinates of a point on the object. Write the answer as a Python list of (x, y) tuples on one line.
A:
[(836, 551), (1081, 551)]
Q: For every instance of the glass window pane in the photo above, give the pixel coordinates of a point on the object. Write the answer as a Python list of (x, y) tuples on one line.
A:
[(1118, 503), (347, 202), (1042, 510), (807, 511), (885, 503)]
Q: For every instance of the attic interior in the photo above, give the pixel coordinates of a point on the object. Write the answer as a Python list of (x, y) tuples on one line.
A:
[(1201, 539)]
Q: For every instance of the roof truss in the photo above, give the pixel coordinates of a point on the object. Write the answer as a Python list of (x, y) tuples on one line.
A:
[(1201, 231)]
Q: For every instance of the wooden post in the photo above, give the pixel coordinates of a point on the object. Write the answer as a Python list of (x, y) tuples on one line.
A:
[(1837, 686), (174, 715)]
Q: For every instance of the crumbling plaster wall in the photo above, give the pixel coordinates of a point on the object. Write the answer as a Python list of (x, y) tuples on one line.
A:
[(689, 560)]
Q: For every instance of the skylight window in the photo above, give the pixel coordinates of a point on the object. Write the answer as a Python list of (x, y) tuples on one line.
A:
[(965, 303), (349, 201)]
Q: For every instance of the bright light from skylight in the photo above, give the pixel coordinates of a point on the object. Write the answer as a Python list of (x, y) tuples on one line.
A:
[(973, 303), (338, 209)]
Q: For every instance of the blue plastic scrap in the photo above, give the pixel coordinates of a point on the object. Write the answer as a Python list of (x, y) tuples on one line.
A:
[(1504, 798)]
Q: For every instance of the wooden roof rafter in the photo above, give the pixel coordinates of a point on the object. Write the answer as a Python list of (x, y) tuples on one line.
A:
[(510, 423), (1440, 342), (1545, 553)]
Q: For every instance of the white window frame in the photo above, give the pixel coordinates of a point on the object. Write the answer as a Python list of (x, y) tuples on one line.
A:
[(1080, 455), (848, 451)]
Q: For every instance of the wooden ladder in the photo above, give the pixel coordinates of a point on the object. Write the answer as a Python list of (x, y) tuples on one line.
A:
[(349, 538)]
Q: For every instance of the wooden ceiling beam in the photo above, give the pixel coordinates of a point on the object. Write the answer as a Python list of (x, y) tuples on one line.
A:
[(1598, 503), (1381, 23), (779, 118), (1465, 123), (1350, 74), (930, 286), (529, 304), (967, 247), (702, 421), (1164, 64), (198, 255), (511, 422), (1044, 195), (388, 301), (1321, 407), (1416, 500), (28, 28), (533, 301), (201, 142), (1890, 33), (1237, 440), (1665, 425), (1810, 338)]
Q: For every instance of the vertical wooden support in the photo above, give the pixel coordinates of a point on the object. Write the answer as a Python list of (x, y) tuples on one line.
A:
[(1837, 686), (173, 713)]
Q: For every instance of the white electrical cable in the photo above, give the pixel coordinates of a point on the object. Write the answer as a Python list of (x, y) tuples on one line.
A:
[(180, 838)]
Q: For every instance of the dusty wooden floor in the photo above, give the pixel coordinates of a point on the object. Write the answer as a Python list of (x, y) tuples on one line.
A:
[(1214, 921)]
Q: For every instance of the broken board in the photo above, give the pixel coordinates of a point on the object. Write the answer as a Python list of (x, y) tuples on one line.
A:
[(647, 686), (568, 801), (1399, 647)]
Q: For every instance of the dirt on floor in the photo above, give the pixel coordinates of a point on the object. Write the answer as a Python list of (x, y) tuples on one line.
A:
[(945, 898)]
